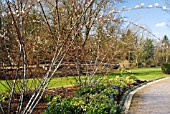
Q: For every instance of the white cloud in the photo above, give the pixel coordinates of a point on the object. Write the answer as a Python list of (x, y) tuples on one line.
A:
[(163, 24)]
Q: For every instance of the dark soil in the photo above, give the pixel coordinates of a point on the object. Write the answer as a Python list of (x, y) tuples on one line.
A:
[(63, 91), (42, 105), (40, 108)]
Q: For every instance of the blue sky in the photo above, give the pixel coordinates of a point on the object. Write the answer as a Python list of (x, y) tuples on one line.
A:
[(155, 19)]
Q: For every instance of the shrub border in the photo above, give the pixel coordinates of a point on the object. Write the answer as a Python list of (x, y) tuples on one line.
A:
[(127, 97)]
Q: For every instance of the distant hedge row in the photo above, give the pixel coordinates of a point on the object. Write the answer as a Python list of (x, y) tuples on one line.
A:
[(166, 68)]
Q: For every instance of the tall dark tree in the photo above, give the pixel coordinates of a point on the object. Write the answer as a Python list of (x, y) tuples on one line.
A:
[(148, 50), (165, 50)]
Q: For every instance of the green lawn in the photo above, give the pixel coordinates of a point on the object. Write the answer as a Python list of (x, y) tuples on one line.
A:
[(62, 81), (141, 73), (148, 73)]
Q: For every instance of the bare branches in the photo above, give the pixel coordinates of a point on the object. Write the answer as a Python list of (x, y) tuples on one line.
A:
[(48, 33)]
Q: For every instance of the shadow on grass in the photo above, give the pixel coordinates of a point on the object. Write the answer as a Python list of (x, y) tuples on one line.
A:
[(137, 73), (114, 74), (145, 73)]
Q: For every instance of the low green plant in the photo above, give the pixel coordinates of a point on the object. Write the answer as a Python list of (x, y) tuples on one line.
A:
[(56, 98), (102, 104), (118, 81), (47, 98), (101, 86), (130, 79), (97, 99), (86, 90), (66, 105), (110, 92), (89, 104), (124, 72), (165, 68)]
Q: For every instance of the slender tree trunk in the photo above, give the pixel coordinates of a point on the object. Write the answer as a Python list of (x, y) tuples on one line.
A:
[(0, 14)]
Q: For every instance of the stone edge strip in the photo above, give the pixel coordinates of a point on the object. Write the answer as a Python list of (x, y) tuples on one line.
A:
[(127, 97)]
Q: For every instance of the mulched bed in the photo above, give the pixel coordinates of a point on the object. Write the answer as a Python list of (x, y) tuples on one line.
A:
[(42, 105), (63, 91)]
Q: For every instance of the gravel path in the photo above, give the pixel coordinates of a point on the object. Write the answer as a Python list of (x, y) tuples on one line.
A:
[(152, 99)]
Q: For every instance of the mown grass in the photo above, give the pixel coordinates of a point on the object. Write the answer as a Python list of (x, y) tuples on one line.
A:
[(140, 73), (33, 83), (143, 73), (148, 73)]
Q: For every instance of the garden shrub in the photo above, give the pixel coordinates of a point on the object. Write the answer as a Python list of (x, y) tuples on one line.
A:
[(47, 98), (119, 81), (97, 99), (133, 77), (85, 90), (130, 79), (165, 68), (66, 105), (100, 87), (111, 92), (102, 104), (89, 104)]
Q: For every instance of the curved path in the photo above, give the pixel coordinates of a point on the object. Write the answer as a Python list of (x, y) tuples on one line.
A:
[(152, 99)]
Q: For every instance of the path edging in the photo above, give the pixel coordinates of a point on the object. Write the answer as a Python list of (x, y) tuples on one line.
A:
[(127, 97)]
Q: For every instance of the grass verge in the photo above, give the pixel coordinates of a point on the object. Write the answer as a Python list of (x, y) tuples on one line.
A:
[(140, 73), (148, 73)]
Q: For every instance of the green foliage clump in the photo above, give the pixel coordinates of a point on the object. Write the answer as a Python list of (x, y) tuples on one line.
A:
[(122, 81), (165, 68), (85, 90), (124, 72), (89, 104), (97, 99), (111, 92), (47, 98)]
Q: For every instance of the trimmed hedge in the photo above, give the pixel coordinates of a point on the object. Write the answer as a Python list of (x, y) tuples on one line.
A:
[(165, 68)]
